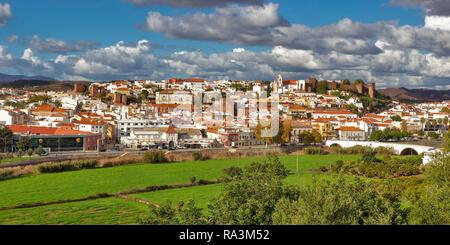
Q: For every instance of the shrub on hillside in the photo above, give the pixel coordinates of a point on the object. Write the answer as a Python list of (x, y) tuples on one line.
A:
[(314, 151), (199, 156), (357, 149), (384, 151), (67, 166), (155, 156), (6, 174), (232, 172), (392, 168), (39, 151), (107, 163)]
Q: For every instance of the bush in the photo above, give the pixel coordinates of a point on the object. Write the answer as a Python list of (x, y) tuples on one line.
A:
[(6, 174), (107, 163), (198, 156), (30, 152), (232, 172), (67, 166), (206, 182), (392, 168), (39, 151), (193, 179), (384, 151), (155, 156), (369, 157), (314, 151)]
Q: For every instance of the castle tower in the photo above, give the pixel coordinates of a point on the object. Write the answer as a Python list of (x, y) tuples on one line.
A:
[(79, 88), (124, 99), (312, 84), (359, 88), (371, 90)]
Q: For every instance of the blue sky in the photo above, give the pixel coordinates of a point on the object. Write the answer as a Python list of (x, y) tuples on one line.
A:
[(109, 21), (74, 39)]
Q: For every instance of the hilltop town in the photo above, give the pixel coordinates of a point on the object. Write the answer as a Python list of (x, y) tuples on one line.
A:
[(198, 113)]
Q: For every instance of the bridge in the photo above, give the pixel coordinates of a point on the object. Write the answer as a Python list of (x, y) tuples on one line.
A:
[(400, 149)]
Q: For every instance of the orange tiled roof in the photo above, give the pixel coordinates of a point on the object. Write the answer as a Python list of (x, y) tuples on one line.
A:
[(48, 108), (38, 130), (349, 129)]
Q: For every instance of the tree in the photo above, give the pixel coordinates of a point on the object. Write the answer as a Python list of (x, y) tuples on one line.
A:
[(180, 214), (79, 107), (422, 122), (341, 202), (433, 204), (144, 94), (5, 137), (433, 135), (30, 152), (284, 133), (155, 156), (396, 118), (445, 121), (404, 127), (250, 198), (432, 207), (369, 156), (322, 87), (39, 151), (57, 103), (24, 143)]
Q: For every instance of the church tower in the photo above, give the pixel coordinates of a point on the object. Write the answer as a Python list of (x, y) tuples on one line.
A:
[(278, 83)]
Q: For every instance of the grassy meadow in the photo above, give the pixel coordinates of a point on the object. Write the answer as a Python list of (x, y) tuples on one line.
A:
[(114, 210)]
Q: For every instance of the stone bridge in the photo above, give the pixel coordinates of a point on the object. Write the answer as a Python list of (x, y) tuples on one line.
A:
[(400, 149)]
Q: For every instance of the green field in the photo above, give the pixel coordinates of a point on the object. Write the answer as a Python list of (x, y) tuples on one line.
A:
[(78, 184)]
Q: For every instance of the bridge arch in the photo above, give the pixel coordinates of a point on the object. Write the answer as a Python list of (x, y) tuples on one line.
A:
[(336, 145), (408, 151)]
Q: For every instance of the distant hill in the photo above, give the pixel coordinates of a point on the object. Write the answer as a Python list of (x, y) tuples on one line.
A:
[(5, 78), (416, 95), (39, 85)]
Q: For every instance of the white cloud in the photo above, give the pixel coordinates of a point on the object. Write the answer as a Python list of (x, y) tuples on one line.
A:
[(5, 13), (437, 22)]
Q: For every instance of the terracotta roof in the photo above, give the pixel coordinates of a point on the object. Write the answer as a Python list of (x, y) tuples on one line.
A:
[(48, 108), (349, 129), (290, 82), (171, 130), (38, 130), (324, 120), (333, 112), (89, 121)]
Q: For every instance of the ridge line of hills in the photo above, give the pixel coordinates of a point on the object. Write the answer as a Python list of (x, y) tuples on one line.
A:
[(401, 94)]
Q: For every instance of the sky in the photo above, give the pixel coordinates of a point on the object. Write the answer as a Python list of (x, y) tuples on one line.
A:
[(391, 42)]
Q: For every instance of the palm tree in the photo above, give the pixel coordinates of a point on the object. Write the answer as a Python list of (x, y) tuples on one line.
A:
[(422, 122)]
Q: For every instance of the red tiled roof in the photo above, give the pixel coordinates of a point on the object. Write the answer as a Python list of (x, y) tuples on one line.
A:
[(48, 108), (333, 112), (171, 130), (38, 130), (290, 82), (349, 129)]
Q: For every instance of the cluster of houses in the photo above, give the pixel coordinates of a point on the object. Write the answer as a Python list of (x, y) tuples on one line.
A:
[(198, 113)]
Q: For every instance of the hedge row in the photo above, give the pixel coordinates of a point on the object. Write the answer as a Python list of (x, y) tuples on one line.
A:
[(67, 166)]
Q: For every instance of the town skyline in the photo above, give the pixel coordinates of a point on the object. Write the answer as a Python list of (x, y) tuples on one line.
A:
[(395, 43)]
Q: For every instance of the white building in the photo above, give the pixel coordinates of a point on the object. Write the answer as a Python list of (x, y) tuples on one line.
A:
[(11, 117)]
